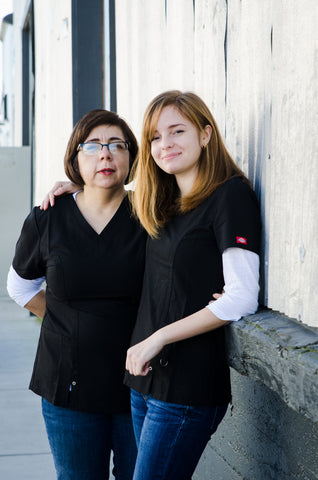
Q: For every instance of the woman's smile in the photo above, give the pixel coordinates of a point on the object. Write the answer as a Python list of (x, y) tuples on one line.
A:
[(170, 156)]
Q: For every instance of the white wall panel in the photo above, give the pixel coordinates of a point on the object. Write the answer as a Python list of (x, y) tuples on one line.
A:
[(53, 102), (248, 68), (209, 62), (255, 63), (154, 52), (140, 26), (293, 259)]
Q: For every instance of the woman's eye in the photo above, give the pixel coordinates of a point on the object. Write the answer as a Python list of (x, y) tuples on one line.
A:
[(176, 132), (155, 138)]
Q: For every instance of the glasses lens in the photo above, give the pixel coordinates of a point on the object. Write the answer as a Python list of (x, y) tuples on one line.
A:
[(90, 148), (117, 147)]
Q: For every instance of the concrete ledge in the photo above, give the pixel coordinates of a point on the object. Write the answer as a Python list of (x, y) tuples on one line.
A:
[(280, 352)]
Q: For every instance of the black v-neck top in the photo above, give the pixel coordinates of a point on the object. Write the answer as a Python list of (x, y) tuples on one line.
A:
[(92, 295), (183, 269)]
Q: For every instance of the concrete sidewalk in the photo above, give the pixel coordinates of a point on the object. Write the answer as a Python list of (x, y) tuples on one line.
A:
[(24, 448)]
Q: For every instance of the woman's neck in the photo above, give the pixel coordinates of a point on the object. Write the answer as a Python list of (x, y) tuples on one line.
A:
[(98, 206), (185, 183), (100, 197)]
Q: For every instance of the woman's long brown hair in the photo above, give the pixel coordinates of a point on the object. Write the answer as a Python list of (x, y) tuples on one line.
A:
[(156, 196)]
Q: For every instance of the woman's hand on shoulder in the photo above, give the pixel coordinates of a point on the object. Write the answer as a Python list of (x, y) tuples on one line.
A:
[(59, 188)]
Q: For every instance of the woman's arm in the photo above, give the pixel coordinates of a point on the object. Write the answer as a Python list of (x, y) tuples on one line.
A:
[(241, 279), (27, 293), (139, 356), (241, 273), (37, 304)]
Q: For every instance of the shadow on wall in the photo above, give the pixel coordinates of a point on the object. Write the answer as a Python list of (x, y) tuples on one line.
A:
[(260, 439)]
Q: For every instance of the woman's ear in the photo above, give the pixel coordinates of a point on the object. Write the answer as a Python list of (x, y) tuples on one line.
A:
[(205, 136)]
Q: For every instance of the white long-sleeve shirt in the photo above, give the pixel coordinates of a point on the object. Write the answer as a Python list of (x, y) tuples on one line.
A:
[(241, 285), (22, 290), (240, 297)]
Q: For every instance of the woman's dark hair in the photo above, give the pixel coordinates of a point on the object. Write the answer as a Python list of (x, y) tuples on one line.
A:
[(81, 131)]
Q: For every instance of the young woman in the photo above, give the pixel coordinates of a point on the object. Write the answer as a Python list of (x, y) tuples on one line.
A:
[(90, 251), (203, 222)]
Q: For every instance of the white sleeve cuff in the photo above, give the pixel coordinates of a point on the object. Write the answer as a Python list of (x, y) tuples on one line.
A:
[(22, 290), (241, 277)]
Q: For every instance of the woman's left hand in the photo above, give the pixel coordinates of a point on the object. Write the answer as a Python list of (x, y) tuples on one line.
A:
[(139, 356), (216, 296)]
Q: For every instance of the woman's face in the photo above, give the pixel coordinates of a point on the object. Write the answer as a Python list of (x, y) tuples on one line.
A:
[(104, 169), (177, 143)]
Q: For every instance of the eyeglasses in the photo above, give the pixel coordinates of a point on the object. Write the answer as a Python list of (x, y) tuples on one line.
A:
[(93, 148)]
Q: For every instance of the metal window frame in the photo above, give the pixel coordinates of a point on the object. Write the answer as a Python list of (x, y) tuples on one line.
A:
[(93, 54)]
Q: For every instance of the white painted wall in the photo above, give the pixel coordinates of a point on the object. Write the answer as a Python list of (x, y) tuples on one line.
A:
[(53, 87), (160, 49), (6, 87), (293, 167), (255, 63), (20, 8), (264, 95)]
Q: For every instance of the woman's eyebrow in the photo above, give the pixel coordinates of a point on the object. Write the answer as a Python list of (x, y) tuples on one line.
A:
[(174, 126), (111, 139), (177, 125)]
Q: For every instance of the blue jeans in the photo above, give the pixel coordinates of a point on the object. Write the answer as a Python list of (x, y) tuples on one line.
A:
[(81, 443), (170, 438)]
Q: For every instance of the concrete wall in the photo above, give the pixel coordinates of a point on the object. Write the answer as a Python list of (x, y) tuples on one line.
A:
[(293, 167), (260, 439), (255, 64), (271, 430), (15, 203)]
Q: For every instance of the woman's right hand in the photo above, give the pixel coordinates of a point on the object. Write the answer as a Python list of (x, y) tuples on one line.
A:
[(59, 188)]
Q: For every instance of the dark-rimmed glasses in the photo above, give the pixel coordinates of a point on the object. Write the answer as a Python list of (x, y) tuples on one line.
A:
[(94, 148)]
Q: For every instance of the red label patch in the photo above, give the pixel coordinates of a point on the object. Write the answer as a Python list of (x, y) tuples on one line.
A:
[(241, 240)]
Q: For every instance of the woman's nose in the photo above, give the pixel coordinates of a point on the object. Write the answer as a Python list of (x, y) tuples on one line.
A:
[(166, 142), (105, 153)]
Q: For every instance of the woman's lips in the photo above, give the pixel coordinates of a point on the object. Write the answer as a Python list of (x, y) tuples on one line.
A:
[(106, 171), (170, 156)]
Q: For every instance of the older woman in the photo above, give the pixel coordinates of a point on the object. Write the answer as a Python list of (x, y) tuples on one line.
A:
[(90, 251)]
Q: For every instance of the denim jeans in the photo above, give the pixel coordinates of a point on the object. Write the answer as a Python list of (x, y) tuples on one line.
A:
[(170, 438), (81, 443)]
